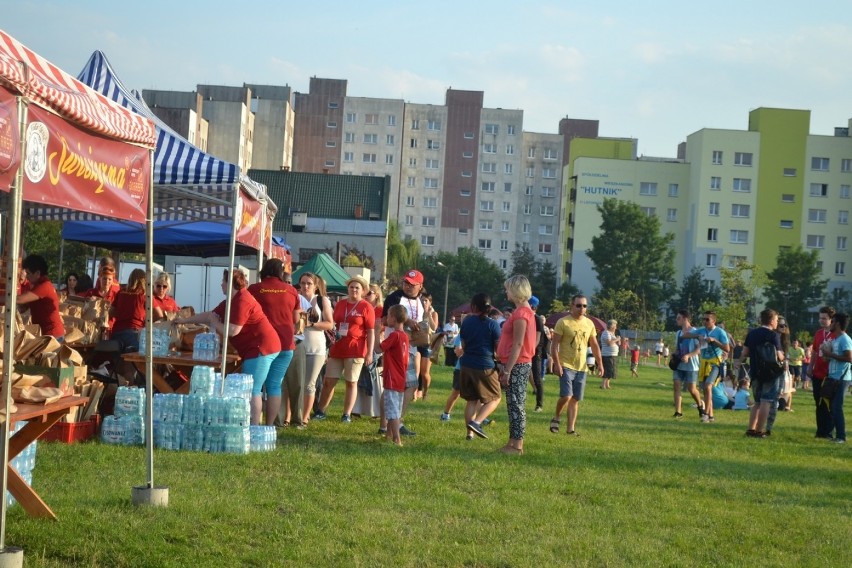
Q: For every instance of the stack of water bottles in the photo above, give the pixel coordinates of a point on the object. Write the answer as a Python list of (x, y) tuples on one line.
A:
[(168, 420), (23, 462), (127, 425), (263, 438), (206, 347), (160, 344)]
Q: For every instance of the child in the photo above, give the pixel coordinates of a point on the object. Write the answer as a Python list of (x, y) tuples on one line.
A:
[(454, 395), (634, 361), (742, 398), (395, 349)]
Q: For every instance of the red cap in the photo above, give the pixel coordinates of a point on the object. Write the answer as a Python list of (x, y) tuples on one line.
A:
[(413, 277)]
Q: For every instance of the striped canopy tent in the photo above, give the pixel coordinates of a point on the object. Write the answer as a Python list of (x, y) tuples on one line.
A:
[(66, 152), (190, 184)]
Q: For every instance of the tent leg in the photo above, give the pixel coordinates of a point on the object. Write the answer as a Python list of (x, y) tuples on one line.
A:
[(11, 557), (151, 496)]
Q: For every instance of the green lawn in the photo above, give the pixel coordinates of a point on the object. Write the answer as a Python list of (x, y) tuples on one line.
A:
[(638, 488)]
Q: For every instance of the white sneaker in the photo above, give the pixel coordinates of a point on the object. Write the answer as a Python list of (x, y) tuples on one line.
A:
[(705, 418), (445, 417)]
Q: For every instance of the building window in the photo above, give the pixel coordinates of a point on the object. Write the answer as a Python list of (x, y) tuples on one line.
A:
[(528, 209), (742, 158), (489, 167), (788, 198), (489, 148), (427, 221), (349, 137), (713, 235), (430, 202), (488, 186), (468, 135), (545, 248), (819, 190), (647, 188), (786, 224), (545, 229), (843, 217), (649, 211), (329, 163), (351, 118), (433, 145), (815, 241), (714, 209), (464, 192), (841, 243), (415, 124), (504, 264), (348, 156), (510, 129), (413, 142), (673, 190), (464, 212), (432, 164), (789, 172), (369, 158), (467, 155), (846, 165), (389, 140), (507, 187), (504, 245), (671, 215), (710, 260), (409, 220), (466, 173), (734, 261), (547, 211), (528, 190), (409, 201), (531, 172), (412, 162), (331, 144), (526, 229), (740, 210), (391, 120), (742, 185), (427, 240), (839, 268), (492, 129), (844, 191), (819, 164), (371, 118), (504, 226), (485, 244), (371, 139), (816, 215), (486, 206), (715, 183), (739, 237), (531, 152), (548, 191), (551, 154), (507, 207), (331, 124), (388, 159), (548, 173), (510, 149), (508, 168), (433, 125), (412, 181), (333, 105), (717, 157), (486, 225)]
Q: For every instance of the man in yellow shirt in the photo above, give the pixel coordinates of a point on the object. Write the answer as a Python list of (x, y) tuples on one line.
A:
[(572, 337), (795, 354)]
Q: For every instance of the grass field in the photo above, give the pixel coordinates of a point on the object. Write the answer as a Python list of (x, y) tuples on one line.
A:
[(637, 488)]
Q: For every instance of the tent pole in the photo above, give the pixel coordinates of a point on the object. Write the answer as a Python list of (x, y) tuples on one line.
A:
[(13, 247), (261, 243), (237, 212)]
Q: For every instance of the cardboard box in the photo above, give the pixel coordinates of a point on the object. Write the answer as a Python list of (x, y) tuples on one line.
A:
[(62, 377)]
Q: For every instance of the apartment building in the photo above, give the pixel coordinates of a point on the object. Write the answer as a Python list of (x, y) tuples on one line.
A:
[(274, 126), (182, 112)]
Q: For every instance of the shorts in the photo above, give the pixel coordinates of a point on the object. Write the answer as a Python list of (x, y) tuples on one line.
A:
[(479, 384), (609, 365), (710, 379), (659, 352), (572, 383), (685, 376), (424, 351), (456, 373), (796, 371), (634, 366), (767, 391), (393, 404), (348, 369)]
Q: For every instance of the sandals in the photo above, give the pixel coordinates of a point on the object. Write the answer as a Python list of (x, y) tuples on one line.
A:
[(554, 426)]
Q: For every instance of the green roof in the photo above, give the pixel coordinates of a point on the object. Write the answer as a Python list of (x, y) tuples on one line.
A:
[(324, 196), (323, 265)]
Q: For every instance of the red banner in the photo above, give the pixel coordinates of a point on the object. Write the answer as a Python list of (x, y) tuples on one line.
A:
[(251, 214), (68, 167), (10, 144)]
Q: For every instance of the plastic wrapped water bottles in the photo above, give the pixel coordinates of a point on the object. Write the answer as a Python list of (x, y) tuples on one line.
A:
[(237, 439), (193, 409), (160, 345), (202, 381), (215, 411), (214, 438), (168, 435), (206, 347), (263, 438), (168, 407), (193, 437), (113, 430), (23, 463), (129, 401), (238, 385), (237, 411)]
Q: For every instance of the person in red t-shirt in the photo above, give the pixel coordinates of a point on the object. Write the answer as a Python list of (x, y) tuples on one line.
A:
[(280, 302), (127, 312), (353, 349), (163, 303), (252, 336), (395, 347), (41, 298), (818, 371), (107, 287), (634, 361)]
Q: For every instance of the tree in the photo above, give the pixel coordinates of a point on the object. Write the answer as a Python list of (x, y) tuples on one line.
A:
[(544, 285), (621, 305), (741, 285), (631, 253), (523, 262), (794, 285), (44, 238), (402, 255), (694, 292)]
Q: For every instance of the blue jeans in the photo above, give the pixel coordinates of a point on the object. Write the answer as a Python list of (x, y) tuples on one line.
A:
[(837, 411)]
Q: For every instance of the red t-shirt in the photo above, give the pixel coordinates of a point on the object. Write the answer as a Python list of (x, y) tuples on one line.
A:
[(504, 347), (395, 360), (166, 303), (361, 320), (45, 310), (109, 296), (128, 311), (257, 336), (279, 300), (634, 356), (819, 364)]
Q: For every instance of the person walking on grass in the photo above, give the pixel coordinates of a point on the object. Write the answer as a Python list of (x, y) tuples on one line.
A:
[(572, 336), (634, 362), (686, 373), (714, 345), (839, 354), (818, 371), (454, 394), (478, 381), (765, 387), (515, 352), (609, 353), (395, 348)]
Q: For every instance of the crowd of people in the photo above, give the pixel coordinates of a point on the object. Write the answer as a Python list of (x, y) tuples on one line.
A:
[(298, 344)]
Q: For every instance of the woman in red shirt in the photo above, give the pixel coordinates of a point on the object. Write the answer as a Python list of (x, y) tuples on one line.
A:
[(515, 351), (41, 297), (127, 312), (355, 321), (250, 333), (107, 287), (163, 303)]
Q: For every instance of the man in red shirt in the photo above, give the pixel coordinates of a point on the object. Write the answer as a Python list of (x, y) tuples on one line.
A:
[(41, 298), (818, 371)]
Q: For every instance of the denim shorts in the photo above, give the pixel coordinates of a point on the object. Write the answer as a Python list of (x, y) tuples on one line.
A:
[(393, 404), (767, 391), (685, 376), (572, 383)]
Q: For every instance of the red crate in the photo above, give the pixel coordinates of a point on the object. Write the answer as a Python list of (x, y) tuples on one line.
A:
[(71, 432)]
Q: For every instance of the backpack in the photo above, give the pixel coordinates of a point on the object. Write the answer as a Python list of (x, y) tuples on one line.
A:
[(766, 362)]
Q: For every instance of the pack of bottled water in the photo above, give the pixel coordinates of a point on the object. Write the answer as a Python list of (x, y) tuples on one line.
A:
[(168, 407), (193, 437), (214, 438), (237, 411), (24, 463), (193, 409), (238, 385), (124, 430), (206, 347), (168, 435), (202, 381), (215, 411), (129, 401), (263, 438), (237, 439), (160, 344)]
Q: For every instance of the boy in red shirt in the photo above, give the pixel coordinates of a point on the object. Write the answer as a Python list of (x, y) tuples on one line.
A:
[(634, 362), (395, 348)]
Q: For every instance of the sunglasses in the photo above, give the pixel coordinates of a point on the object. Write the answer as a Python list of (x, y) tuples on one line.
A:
[(371, 293), (705, 319), (581, 305), (160, 286)]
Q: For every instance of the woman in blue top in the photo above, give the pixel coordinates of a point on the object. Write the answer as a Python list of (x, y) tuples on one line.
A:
[(479, 383)]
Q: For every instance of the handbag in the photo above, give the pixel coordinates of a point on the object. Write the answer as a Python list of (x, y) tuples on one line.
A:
[(674, 361), (422, 337), (829, 388)]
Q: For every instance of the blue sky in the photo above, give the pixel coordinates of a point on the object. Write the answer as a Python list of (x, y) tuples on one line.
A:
[(656, 71)]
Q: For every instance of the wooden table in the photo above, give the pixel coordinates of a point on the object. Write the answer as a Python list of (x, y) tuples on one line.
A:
[(40, 418), (182, 361)]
